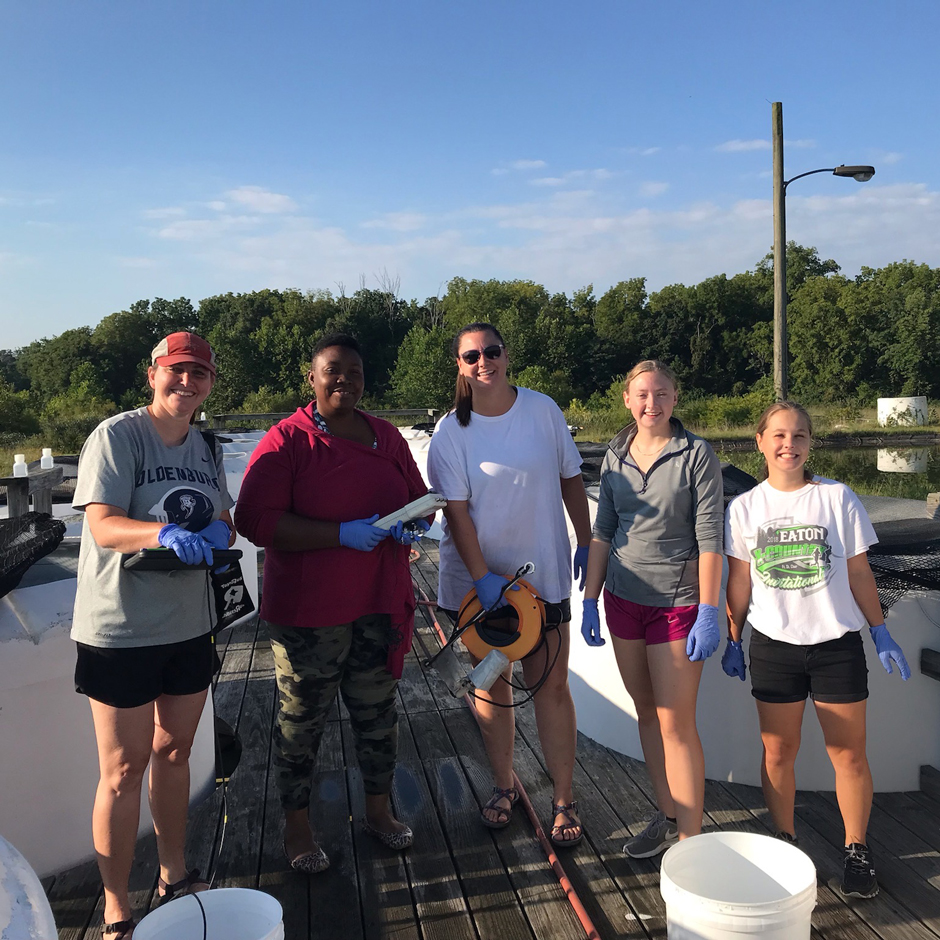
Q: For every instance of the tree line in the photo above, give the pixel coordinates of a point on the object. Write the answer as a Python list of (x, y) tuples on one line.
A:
[(851, 339)]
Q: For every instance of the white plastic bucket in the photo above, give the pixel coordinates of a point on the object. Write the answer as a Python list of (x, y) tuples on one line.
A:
[(231, 914), (721, 885), (24, 910)]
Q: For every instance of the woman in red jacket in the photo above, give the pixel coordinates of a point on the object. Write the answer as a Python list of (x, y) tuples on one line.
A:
[(337, 598)]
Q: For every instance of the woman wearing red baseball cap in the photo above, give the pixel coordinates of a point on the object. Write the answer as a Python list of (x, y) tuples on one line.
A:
[(147, 478)]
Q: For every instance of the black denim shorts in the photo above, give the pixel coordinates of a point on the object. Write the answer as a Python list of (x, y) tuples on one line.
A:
[(834, 671)]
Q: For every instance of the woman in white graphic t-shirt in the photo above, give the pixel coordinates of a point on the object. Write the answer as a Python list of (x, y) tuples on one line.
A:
[(799, 574)]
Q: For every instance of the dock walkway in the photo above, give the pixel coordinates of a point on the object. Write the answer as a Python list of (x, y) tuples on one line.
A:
[(462, 881)]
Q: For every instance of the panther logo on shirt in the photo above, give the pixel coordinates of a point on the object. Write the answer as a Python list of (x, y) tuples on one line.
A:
[(792, 557), (187, 507)]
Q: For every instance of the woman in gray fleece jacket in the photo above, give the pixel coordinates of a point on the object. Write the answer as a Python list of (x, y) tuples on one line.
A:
[(657, 546)]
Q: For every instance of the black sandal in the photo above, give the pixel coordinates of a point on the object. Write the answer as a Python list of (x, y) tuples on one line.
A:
[(119, 930), (571, 822), (511, 794), (180, 888)]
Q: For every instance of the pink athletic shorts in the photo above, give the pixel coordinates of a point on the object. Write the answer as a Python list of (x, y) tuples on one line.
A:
[(630, 621)]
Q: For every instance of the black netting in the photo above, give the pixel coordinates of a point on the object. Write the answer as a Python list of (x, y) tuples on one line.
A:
[(23, 541), (906, 558)]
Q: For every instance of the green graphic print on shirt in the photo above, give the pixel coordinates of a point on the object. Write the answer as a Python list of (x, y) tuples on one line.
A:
[(792, 557)]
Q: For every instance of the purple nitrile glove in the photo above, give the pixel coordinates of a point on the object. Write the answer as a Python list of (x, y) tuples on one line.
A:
[(888, 650), (580, 564), (360, 534), (190, 547), (704, 636), (490, 589), (217, 534), (732, 661), (406, 533), (591, 622)]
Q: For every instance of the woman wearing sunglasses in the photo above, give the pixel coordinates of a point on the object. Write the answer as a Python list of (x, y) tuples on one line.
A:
[(506, 463)]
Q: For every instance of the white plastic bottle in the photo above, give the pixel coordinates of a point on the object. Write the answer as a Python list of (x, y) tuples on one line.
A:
[(45, 462), (19, 465)]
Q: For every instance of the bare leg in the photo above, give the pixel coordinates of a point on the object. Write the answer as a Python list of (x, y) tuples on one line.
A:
[(177, 717), (379, 814), (635, 672), (498, 726), (675, 683), (298, 836), (555, 718), (843, 727), (781, 724), (124, 737)]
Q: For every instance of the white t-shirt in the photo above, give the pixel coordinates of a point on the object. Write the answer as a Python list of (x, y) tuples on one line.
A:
[(797, 544), (507, 468)]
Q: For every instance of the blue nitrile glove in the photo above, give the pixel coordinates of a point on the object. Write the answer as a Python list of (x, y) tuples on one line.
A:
[(360, 534), (591, 623), (704, 636), (580, 564), (732, 660), (190, 547), (217, 534), (405, 533), (490, 588), (888, 650)]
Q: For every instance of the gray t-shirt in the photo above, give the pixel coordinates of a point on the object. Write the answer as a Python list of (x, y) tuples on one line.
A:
[(124, 463)]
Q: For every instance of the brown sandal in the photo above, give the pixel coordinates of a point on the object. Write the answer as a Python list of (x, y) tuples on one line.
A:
[(119, 930), (571, 822), (191, 884), (505, 815)]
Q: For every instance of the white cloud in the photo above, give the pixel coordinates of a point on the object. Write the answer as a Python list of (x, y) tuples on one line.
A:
[(168, 212), (742, 146), (643, 151), (799, 144), (548, 181), (261, 200), (398, 221), (527, 164), (216, 205), (137, 263), (653, 189), (188, 230), (888, 158)]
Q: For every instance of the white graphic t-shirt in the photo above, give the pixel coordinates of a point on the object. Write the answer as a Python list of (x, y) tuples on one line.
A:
[(797, 544)]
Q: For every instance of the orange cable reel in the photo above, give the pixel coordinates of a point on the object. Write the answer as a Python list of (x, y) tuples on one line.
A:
[(514, 630)]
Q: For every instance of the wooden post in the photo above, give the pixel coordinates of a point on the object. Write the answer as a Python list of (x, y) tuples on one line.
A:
[(38, 485)]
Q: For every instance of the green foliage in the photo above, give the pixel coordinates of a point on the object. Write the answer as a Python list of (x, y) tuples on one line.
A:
[(425, 372), (15, 414)]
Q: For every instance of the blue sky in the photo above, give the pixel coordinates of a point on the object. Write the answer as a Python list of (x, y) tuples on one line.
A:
[(194, 147)]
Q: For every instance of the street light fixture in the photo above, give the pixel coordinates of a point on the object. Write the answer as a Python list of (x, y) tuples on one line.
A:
[(860, 173)]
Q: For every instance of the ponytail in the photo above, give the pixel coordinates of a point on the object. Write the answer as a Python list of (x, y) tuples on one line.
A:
[(463, 401)]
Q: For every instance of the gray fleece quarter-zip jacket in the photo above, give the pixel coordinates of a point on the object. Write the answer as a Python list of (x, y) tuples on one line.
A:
[(659, 522)]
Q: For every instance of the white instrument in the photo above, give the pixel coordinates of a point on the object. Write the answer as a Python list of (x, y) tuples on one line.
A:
[(416, 509)]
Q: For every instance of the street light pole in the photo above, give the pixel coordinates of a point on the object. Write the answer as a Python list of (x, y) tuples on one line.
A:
[(861, 174), (780, 256)]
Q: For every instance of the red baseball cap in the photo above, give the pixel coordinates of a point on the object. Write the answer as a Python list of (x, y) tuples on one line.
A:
[(183, 347)]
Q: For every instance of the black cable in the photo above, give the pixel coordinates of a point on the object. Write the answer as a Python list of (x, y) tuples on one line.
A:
[(205, 923)]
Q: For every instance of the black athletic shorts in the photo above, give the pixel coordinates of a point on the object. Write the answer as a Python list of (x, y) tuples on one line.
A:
[(132, 676), (555, 614), (834, 671)]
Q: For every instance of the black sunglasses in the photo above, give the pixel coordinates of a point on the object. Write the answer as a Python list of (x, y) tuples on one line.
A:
[(472, 356)]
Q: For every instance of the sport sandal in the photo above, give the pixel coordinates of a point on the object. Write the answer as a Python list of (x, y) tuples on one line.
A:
[(193, 883), (119, 930), (567, 810), (505, 813)]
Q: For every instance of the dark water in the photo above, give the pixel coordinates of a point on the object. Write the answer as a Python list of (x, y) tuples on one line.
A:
[(906, 472), (901, 472)]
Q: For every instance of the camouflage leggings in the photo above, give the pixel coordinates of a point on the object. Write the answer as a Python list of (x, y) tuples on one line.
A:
[(310, 665)]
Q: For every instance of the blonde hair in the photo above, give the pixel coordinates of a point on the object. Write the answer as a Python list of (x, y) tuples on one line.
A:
[(650, 365), (793, 406)]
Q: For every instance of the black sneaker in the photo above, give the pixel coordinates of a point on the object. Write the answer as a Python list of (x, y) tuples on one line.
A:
[(858, 877), (786, 837)]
